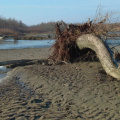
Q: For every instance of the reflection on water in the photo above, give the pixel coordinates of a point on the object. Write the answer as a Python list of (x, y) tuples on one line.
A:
[(19, 44)]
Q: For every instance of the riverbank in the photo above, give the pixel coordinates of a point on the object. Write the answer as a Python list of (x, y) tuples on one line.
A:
[(59, 92), (35, 37)]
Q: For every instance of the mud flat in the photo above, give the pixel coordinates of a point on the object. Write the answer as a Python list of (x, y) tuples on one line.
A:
[(79, 91)]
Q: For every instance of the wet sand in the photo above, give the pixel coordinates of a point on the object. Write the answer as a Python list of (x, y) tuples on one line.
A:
[(79, 91)]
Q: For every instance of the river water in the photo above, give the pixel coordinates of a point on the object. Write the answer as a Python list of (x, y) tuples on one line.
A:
[(20, 44)]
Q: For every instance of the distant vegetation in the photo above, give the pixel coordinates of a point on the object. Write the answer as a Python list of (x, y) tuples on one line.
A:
[(11, 26), (43, 27), (14, 27)]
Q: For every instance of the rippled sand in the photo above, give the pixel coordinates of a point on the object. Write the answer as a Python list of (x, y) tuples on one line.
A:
[(79, 91)]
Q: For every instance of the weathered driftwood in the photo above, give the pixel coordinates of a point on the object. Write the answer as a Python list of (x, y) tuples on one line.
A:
[(98, 45)]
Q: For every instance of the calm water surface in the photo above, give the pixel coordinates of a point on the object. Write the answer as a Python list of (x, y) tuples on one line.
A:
[(19, 44)]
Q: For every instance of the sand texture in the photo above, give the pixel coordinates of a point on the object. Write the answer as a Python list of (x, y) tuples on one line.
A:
[(24, 54), (79, 91)]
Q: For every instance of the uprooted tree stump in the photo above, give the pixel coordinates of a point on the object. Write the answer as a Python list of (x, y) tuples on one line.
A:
[(65, 48)]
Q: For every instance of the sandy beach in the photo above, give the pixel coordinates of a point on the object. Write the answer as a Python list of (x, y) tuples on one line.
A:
[(45, 91)]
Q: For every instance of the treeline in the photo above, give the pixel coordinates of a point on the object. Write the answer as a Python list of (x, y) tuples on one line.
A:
[(43, 27), (14, 27), (11, 26)]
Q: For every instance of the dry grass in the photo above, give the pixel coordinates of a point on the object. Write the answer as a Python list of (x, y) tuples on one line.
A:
[(7, 31)]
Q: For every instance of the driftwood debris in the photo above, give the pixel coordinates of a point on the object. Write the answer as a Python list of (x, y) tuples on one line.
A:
[(65, 48)]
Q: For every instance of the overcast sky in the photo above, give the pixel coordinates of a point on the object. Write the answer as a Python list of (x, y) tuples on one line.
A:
[(33, 12)]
